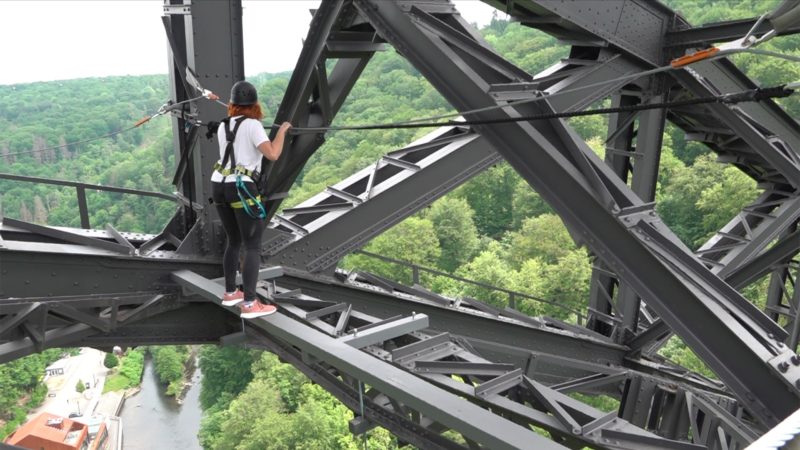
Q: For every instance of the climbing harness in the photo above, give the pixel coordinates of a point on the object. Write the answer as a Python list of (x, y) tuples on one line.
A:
[(247, 201), (239, 169)]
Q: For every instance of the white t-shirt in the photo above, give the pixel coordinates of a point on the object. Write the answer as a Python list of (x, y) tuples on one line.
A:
[(249, 136)]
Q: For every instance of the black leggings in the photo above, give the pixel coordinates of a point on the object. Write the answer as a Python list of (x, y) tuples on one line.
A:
[(239, 228)]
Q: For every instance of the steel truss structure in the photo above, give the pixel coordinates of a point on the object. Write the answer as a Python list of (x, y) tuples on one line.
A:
[(445, 373)]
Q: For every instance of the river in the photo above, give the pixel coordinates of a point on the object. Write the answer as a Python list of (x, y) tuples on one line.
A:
[(152, 420)]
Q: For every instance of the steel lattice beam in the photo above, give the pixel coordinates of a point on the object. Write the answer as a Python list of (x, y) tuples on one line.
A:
[(705, 315), (450, 410), (94, 274)]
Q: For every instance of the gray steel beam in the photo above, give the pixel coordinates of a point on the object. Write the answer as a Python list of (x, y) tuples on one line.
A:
[(786, 164), (787, 217), (644, 176), (391, 200), (61, 337), (376, 206), (36, 269), (65, 236), (193, 323), (209, 41), (374, 413), (562, 416), (761, 265), (450, 410), (640, 164), (427, 353), (636, 26), (461, 321), (649, 21), (313, 96), (552, 354), (385, 331), (708, 317), (711, 33), (750, 231), (725, 77)]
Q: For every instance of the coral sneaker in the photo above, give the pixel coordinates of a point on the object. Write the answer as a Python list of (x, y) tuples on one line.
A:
[(232, 299), (256, 309)]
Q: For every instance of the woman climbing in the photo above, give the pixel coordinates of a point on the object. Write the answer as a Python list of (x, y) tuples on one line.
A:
[(242, 143)]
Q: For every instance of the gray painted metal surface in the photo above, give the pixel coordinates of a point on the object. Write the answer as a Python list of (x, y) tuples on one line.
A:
[(110, 287), (700, 317)]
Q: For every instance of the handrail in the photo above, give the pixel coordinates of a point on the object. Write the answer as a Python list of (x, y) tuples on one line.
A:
[(80, 189), (512, 295)]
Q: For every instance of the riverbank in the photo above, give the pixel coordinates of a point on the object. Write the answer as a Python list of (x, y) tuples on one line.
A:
[(189, 370), (155, 420)]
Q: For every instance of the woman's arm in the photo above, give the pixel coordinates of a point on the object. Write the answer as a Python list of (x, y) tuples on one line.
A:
[(272, 150)]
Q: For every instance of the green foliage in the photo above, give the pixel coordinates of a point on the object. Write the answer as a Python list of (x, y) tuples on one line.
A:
[(489, 267), (525, 203), (567, 283), (40, 115), (543, 237), (169, 362), (37, 396), (455, 229), (110, 361), (676, 351), (226, 370), (602, 402), (414, 240), (490, 196), (21, 388), (130, 372), (80, 387), (116, 382), (133, 365), (14, 418), (697, 200), (280, 409), (287, 380)]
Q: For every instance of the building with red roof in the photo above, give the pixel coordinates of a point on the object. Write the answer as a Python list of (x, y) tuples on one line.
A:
[(50, 432)]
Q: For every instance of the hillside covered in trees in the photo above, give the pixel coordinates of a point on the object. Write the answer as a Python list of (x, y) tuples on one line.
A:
[(494, 229)]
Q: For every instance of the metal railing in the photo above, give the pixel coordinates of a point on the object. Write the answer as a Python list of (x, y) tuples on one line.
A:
[(80, 190), (512, 295)]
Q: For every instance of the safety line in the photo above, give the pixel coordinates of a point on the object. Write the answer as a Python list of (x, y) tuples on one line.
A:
[(751, 95), (429, 122), (161, 111), (113, 133), (626, 77)]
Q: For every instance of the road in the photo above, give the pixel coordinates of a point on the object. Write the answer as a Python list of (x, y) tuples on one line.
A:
[(87, 367)]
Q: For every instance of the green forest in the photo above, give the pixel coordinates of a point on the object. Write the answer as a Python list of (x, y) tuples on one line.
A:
[(494, 229)]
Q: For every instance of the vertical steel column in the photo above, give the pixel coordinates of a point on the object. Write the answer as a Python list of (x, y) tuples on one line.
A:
[(314, 94), (208, 34), (644, 176), (640, 163), (604, 316), (781, 279)]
